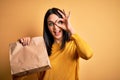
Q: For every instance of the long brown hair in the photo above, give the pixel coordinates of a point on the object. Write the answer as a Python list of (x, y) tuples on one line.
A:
[(48, 38)]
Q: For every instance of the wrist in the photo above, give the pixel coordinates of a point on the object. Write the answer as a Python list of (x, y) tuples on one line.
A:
[(72, 31)]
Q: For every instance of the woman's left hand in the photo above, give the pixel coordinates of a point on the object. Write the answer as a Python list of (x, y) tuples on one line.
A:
[(64, 22)]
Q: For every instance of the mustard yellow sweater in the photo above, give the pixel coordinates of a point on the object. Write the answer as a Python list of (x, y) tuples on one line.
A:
[(65, 63)]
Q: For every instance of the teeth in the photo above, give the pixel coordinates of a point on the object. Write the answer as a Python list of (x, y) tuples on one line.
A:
[(57, 32)]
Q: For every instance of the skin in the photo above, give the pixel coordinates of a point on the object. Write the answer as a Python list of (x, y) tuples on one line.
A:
[(55, 26)]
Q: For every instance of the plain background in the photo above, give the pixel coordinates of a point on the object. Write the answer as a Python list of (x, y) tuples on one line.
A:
[(96, 21)]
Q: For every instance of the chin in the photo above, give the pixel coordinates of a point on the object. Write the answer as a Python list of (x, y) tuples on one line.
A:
[(58, 37)]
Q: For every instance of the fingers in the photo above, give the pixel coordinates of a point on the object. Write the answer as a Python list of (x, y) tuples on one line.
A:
[(60, 23), (25, 41), (64, 15), (66, 21), (68, 15)]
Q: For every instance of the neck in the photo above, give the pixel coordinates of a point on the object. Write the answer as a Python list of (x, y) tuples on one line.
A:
[(58, 40)]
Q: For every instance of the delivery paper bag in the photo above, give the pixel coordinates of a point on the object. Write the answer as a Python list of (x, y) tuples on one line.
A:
[(28, 59)]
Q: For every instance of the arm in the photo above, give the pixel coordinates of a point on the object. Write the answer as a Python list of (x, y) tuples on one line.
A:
[(82, 47)]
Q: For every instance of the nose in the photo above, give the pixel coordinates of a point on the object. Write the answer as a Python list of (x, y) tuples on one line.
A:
[(55, 27)]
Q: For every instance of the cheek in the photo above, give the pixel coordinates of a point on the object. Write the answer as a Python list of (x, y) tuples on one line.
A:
[(50, 29)]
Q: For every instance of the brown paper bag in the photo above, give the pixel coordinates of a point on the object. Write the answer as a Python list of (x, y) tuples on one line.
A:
[(28, 59)]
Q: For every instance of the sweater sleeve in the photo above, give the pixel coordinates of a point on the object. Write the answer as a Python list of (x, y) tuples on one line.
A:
[(83, 50)]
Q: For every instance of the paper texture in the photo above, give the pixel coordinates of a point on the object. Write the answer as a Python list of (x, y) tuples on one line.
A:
[(28, 59)]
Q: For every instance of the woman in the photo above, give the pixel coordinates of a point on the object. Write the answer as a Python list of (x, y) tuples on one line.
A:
[(64, 46)]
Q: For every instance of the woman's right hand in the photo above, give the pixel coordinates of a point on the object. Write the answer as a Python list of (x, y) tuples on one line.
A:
[(25, 41)]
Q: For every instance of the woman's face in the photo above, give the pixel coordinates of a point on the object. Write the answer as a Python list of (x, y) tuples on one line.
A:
[(53, 23)]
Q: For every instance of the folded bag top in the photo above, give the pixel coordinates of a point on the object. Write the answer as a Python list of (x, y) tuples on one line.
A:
[(28, 59)]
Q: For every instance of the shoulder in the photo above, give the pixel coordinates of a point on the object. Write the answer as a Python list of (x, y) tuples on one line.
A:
[(70, 43), (74, 36)]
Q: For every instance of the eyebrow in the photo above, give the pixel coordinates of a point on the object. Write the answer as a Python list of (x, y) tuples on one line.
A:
[(52, 21)]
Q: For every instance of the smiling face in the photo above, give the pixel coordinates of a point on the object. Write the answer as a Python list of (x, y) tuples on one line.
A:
[(56, 31)]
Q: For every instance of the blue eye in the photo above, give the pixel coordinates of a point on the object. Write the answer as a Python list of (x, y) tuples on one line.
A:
[(60, 22), (51, 24)]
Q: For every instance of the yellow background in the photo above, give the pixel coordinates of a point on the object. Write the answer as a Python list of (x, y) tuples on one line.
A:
[(97, 22)]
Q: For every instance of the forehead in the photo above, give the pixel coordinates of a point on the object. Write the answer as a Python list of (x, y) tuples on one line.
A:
[(52, 18)]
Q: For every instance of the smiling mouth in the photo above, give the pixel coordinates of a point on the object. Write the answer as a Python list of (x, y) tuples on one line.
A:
[(57, 33)]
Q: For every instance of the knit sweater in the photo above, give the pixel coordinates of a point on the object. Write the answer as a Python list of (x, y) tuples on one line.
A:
[(65, 62)]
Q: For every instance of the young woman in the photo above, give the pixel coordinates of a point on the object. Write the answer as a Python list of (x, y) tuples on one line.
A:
[(64, 46)]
